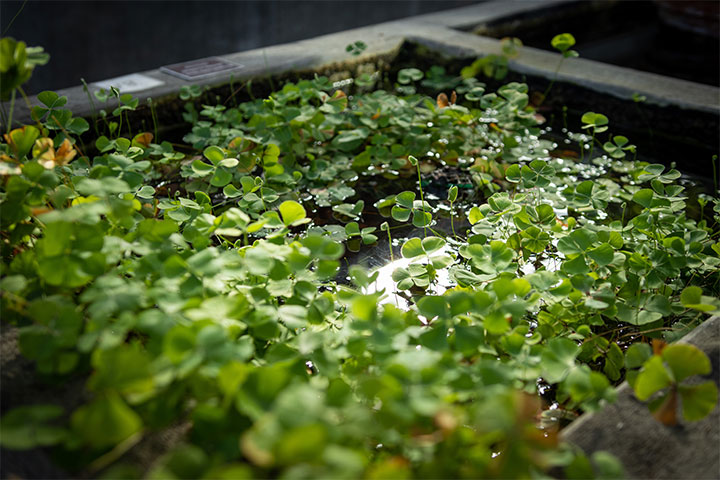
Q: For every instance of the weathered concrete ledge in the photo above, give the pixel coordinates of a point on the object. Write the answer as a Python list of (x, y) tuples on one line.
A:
[(441, 32), (647, 448)]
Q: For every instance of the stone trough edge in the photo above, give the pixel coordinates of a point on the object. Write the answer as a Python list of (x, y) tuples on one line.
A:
[(437, 30)]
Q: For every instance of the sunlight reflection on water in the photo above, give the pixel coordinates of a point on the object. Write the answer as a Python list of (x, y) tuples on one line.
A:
[(385, 282)]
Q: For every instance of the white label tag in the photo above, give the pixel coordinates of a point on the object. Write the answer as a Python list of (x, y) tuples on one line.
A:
[(134, 82)]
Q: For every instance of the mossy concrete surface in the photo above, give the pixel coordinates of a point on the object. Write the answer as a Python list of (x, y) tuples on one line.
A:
[(648, 448)]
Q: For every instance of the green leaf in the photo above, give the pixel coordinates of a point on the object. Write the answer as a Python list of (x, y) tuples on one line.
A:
[(644, 197), (691, 296), (685, 361), (492, 258), (578, 241), (545, 214), (475, 215), (178, 343), (537, 174), (294, 316), (580, 468), (338, 392), (412, 248), (558, 358), (637, 354), (431, 306), (400, 214), (349, 140), (496, 323), (607, 466), (101, 187), (408, 75), (335, 104), (214, 154), (352, 229), (27, 427), (292, 213), (402, 277), (51, 99), (562, 41), (597, 121), (421, 219), (432, 244), (220, 178), (659, 304), (65, 270), (468, 339), (78, 126), (512, 174), (146, 192), (698, 400), (614, 362), (105, 422), (302, 444), (231, 192), (636, 316), (228, 162), (652, 378), (534, 239), (22, 139), (602, 254), (435, 338), (575, 266), (124, 369), (405, 199)]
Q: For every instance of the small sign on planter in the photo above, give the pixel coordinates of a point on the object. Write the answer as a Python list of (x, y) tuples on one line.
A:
[(196, 69), (134, 82)]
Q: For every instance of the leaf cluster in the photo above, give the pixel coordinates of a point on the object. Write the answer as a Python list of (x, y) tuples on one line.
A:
[(218, 303)]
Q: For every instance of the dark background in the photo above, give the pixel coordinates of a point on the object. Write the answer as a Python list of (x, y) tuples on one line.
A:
[(96, 40)]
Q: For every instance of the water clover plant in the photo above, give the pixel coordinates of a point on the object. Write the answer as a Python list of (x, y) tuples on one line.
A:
[(356, 48), (664, 372), (206, 289)]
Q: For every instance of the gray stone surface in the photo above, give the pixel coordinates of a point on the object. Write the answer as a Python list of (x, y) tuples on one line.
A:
[(647, 448)]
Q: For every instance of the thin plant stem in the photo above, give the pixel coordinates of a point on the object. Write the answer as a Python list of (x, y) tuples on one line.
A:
[(119, 130), (127, 120), (232, 89), (153, 115), (67, 134), (392, 259), (249, 89), (13, 19), (267, 70), (120, 449), (92, 106), (12, 107), (552, 82), (422, 198), (452, 224), (25, 98)]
